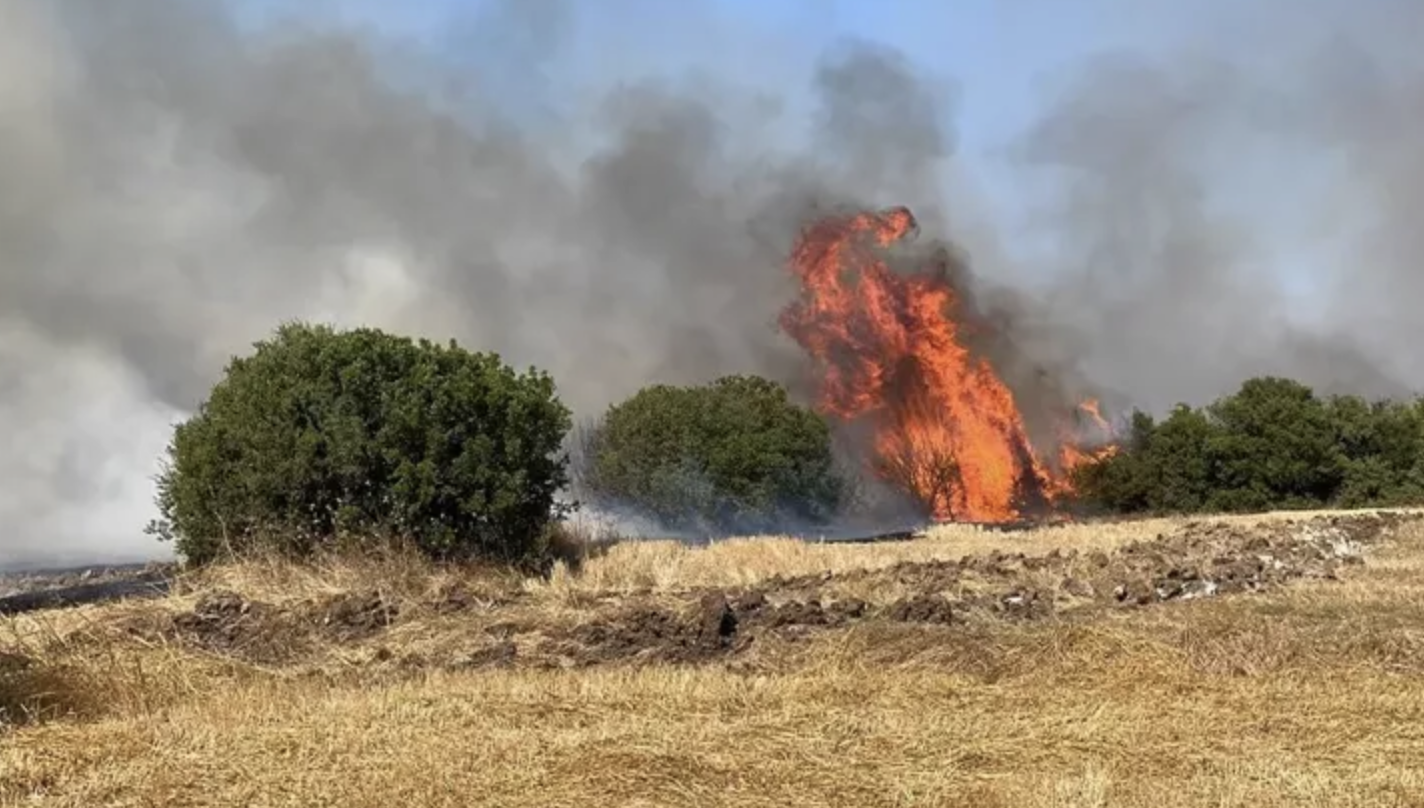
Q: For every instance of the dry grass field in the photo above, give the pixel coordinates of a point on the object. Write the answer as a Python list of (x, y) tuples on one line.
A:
[(1262, 661)]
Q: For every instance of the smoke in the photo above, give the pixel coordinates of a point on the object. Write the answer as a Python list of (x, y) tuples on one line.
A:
[(1211, 220), (173, 184), (174, 187)]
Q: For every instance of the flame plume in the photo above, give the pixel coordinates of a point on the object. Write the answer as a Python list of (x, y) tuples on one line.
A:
[(891, 350)]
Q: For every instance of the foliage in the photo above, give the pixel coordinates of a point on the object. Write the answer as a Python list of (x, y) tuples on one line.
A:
[(325, 435), (1272, 444), (735, 455)]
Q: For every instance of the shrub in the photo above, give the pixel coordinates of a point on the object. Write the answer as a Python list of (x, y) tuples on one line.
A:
[(323, 436), (1272, 444), (735, 455)]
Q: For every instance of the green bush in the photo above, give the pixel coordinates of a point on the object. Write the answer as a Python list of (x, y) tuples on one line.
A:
[(325, 436), (1381, 451), (733, 456), (1272, 444)]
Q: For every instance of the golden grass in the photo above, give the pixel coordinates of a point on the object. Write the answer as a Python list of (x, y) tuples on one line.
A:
[(667, 565), (1310, 695)]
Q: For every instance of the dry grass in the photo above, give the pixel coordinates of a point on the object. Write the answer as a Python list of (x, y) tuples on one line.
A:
[(667, 565), (1310, 695)]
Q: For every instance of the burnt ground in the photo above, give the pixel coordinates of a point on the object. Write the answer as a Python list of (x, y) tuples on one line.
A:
[(464, 628), (18, 582), (48, 589)]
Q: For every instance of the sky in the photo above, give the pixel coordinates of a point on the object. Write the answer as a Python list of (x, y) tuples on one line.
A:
[(996, 58), (1181, 193), (1000, 60)]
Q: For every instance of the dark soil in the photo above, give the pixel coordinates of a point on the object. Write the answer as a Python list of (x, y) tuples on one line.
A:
[(1201, 559), (709, 628), (1197, 560), (226, 622)]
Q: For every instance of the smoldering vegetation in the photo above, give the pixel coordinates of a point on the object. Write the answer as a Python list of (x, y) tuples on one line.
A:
[(173, 183)]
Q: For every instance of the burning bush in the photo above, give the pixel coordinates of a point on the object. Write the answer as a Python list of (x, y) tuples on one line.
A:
[(735, 455), (321, 435)]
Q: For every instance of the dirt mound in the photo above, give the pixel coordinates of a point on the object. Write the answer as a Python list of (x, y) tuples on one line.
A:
[(709, 628), (355, 616), (1197, 560), (1204, 559), (226, 622), (1200, 559), (922, 609)]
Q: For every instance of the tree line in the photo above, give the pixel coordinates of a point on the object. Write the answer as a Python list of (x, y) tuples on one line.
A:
[(1273, 444), (322, 437)]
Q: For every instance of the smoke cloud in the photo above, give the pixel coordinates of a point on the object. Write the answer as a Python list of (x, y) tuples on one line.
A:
[(173, 184)]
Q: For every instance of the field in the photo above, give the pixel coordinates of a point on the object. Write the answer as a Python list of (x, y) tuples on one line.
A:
[(1253, 661)]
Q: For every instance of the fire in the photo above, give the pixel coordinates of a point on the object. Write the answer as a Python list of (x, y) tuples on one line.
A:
[(891, 350), (1071, 455)]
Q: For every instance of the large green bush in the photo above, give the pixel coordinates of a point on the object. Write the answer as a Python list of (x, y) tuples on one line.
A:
[(733, 456), (325, 435), (1272, 444)]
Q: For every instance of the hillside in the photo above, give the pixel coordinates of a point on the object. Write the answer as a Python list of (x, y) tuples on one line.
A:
[(1224, 661)]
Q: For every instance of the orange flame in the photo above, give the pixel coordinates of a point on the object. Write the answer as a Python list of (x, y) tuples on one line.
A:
[(890, 349), (1071, 455)]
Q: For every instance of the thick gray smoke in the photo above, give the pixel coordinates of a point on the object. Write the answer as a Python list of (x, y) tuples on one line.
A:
[(172, 186), (1244, 205), (1174, 295)]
